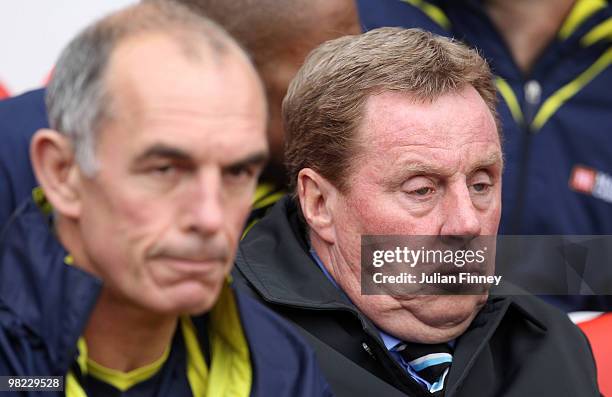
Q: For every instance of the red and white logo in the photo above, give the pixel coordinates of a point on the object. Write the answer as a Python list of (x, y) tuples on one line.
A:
[(4, 93), (582, 179)]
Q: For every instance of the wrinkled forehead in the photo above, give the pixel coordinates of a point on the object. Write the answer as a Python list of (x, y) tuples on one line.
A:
[(146, 67), (393, 120), (160, 97)]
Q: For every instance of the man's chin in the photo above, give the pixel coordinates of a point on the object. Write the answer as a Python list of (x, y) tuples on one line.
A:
[(190, 298), (446, 316), (430, 318)]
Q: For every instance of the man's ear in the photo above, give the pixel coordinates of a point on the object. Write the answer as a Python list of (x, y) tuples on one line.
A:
[(56, 171), (317, 196)]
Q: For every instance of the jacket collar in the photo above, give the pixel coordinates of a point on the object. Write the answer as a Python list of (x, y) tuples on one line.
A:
[(40, 291), (583, 35), (274, 257)]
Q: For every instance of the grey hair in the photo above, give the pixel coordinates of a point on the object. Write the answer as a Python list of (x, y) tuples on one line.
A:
[(77, 98)]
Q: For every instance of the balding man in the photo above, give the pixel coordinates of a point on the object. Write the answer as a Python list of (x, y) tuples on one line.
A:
[(117, 277), (277, 36)]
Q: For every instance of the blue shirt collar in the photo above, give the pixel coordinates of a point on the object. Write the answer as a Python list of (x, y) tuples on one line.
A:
[(390, 342), (319, 263)]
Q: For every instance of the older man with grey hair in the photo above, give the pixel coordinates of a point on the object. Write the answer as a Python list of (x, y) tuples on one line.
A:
[(394, 132), (276, 35), (116, 281)]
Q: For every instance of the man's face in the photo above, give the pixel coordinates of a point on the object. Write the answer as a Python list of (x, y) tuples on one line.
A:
[(423, 169), (178, 163)]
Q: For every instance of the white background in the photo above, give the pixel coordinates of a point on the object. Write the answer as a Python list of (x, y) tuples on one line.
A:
[(33, 32)]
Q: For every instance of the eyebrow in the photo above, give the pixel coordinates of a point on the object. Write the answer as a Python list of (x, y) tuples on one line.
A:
[(490, 160), (420, 168), (417, 167), (256, 159), (164, 151), (413, 167)]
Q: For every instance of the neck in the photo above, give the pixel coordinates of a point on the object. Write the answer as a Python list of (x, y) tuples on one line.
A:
[(323, 252), (528, 26), (338, 269), (119, 334), (123, 337)]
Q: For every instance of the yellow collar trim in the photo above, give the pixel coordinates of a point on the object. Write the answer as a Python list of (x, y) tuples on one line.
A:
[(125, 380), (262, 190), (231, 372), (432, 11), (579, 13)]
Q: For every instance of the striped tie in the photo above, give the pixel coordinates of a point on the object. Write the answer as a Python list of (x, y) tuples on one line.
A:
[(430, 362)]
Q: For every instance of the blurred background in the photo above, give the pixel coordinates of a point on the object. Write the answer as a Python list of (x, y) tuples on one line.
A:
[(33, 32)]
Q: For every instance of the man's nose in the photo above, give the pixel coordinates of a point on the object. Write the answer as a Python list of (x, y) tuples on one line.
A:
[(461, 217), (204, 209)]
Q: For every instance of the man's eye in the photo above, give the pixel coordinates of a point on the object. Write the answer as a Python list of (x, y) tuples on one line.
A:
[(165, 169), (481, 187), (424, 191), (419, 187), (481, 182), (239, 173)]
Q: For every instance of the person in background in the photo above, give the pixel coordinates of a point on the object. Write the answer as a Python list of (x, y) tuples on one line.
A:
[(117, 277), (20, 117), (394, 132), (279, 36), (552, 60)]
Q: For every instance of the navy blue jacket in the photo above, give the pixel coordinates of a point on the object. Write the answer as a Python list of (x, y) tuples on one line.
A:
[(20, 118), (45, 305), (543, 143)]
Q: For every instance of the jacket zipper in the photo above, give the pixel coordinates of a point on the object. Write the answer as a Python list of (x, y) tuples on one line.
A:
[(533, 95)]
